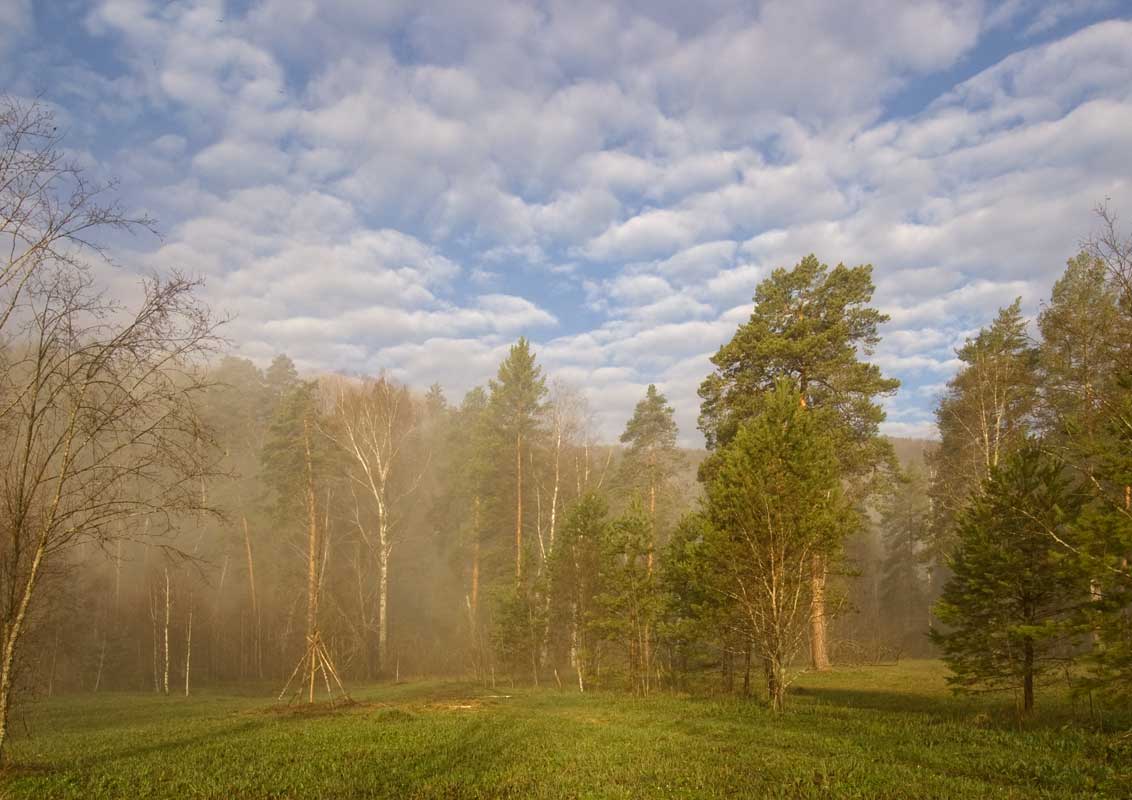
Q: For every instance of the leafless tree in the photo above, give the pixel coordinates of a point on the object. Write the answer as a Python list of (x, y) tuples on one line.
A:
[(373, 423), (98, 427)]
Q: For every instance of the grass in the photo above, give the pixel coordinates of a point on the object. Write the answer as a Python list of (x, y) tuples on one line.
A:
[(882, 732)]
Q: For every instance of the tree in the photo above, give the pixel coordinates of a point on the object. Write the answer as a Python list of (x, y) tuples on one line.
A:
[(574, 584), (985, 414), (374, 424), (1100, 543), (1079, 352), (1010, 601), (904, 522), (812, 326), (651, 457), (627, 604), (775, 501), (97, 417), (516, 403)]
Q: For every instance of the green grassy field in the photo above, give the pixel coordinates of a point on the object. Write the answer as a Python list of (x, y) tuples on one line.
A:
[(881, 732)]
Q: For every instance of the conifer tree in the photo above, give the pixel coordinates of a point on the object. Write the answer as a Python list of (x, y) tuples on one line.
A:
[(1010, 601), (517, 396), (810, 325), (651, 457), (1101, 544)]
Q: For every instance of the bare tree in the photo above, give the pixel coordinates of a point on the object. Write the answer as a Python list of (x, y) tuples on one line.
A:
[(373, 424), (97, 417)]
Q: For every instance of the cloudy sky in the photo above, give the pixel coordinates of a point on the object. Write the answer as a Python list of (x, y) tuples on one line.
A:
[(410, 186)]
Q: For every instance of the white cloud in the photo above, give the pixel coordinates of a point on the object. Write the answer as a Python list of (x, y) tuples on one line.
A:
[(407, 186)]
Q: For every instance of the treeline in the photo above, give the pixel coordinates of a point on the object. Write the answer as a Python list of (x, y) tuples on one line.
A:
[(353, 528)]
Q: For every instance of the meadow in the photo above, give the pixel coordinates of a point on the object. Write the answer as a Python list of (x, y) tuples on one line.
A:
[(876, 732)]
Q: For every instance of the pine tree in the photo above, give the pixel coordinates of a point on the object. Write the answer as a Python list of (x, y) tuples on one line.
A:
[(651, 457), (1010, 601), (517, 396), (810, 325)]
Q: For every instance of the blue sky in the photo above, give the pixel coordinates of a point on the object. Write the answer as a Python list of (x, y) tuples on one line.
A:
[(409, 186)]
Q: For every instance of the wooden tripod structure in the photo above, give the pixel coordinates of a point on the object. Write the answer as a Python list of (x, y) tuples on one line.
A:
[(316, 658)]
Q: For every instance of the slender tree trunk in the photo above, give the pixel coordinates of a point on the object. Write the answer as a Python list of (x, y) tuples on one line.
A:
[(189, 646), (518, 507), (101, 664), (168, 609), (156, 641), (257, 662), (312, 564), (819, 649), (1028, 676), (475, 593), (12, 632)]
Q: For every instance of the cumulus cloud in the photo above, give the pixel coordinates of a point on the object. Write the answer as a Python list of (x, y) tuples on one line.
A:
[(409, 186)]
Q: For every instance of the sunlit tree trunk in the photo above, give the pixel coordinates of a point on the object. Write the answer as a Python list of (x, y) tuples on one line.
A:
[(518, 507), (189, 646), (819, 648), (168, 610)]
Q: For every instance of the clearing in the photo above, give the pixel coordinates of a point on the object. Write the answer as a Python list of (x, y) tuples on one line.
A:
[(878, 732)]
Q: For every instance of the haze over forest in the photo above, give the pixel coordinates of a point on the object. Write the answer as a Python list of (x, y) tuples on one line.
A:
[(399, 354)]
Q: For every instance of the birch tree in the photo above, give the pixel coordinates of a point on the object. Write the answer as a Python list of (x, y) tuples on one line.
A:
[(373, 423)]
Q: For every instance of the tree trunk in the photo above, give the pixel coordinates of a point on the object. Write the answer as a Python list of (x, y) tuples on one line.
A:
[(168, 609), (475, 593), (819, 651), (312, 563), (189, 647), (257, 661), (383, 608), (1028, 676), (518, 507), (776, 684), (12, 633)]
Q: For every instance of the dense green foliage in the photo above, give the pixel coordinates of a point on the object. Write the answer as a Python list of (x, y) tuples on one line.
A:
[(1010, 602)]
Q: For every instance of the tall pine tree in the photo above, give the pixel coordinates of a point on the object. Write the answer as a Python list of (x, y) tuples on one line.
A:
[(811, 325)]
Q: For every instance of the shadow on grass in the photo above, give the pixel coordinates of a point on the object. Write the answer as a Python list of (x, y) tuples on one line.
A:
[(996, 710)]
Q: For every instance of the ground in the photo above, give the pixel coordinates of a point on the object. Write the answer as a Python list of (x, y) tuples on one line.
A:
[(878, 732)]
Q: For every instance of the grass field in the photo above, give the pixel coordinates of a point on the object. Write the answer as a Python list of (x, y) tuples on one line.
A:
[(880, 732)]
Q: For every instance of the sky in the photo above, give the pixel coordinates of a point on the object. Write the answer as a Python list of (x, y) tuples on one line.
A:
[(410, 186)]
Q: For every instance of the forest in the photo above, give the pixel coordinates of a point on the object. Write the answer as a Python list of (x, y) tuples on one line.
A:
[(178, 519)]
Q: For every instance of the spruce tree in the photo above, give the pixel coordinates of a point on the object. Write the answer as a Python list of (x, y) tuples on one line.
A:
[(1009, 605)]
